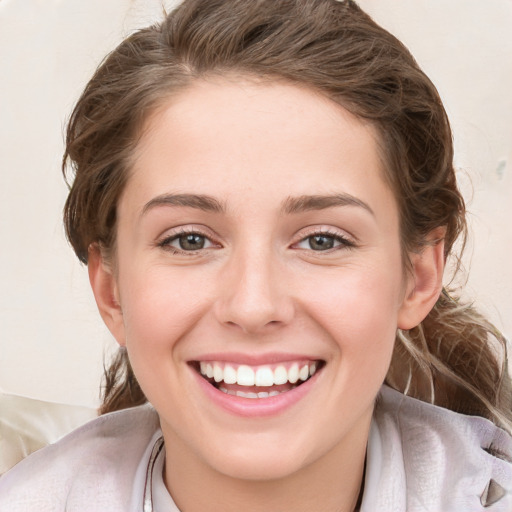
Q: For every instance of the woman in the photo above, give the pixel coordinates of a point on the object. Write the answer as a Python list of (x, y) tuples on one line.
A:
[(265, 198)]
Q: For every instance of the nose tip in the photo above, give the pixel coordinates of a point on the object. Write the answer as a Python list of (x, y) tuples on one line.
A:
[(253, 317), (254, 299)]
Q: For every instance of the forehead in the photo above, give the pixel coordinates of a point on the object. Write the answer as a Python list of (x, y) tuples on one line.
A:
[(223, 137)]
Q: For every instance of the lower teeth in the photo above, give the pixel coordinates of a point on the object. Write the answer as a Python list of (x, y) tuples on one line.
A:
[(243, 394)]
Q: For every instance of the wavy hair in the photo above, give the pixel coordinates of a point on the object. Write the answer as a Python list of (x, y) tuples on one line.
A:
[(454, 358)]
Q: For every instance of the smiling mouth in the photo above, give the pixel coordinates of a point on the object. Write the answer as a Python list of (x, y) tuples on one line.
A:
[(255, 382)]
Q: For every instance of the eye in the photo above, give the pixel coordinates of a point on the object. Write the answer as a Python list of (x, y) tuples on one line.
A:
[(186, 242), (324, 242)]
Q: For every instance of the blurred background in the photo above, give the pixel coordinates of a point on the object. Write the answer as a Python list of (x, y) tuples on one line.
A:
[(52, 341)]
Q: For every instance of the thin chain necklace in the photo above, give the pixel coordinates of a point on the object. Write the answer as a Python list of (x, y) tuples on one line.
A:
[(148, 486)]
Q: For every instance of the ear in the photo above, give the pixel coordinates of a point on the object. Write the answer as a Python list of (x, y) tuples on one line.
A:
[(424, 282), (106, 293)]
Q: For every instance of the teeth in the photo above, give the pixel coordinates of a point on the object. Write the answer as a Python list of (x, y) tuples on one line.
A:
[(247, 395), (293, 373), (227, 391), (280, 375), (229, 375), (262, 376), (245, 376), (261, 394), (304, 372), (218, 374)]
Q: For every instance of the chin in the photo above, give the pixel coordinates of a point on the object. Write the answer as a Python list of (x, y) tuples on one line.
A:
[(262, 457), (263, 467)]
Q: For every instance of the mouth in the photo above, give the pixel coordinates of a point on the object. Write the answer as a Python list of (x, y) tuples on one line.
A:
[(257, 382)]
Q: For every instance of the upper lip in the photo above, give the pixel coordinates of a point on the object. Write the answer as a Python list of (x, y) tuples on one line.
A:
[(254, 359)]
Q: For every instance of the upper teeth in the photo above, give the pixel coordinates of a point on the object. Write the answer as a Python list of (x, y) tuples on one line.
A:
[(245, 375)]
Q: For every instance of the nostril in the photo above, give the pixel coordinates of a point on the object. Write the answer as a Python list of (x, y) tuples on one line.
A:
[(254, 303)]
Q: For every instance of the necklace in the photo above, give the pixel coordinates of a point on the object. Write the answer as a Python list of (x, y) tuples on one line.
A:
[(148, 486)]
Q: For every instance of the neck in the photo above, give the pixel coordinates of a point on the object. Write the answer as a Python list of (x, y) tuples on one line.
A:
[(334, 482)]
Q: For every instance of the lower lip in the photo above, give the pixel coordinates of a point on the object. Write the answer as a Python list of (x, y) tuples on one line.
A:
[(255, 407)]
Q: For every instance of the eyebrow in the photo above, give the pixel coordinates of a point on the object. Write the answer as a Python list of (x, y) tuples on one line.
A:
[(200, 202), (321, 202), (291, 205)]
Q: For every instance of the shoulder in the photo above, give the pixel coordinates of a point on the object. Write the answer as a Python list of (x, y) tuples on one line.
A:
[(97, 461), (451, 462)]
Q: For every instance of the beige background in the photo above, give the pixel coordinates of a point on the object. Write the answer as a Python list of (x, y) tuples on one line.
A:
[(52, 342)]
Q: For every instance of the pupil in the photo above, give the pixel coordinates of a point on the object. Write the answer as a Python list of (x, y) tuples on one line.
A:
[(191, 242), (321, 242)]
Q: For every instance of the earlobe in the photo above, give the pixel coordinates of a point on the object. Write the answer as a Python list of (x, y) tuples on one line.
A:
[(105, 290), (425, 281)]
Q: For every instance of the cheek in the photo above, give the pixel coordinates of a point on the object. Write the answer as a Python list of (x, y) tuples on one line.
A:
[(159, 309), (359, 308)]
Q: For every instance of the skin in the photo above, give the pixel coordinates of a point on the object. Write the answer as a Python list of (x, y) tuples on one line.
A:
[(258, 287)]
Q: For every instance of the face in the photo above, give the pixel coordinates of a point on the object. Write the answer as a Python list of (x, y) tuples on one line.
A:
[(258, 275)]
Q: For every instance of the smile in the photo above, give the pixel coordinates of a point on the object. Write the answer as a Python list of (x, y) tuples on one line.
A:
[(257, 382)]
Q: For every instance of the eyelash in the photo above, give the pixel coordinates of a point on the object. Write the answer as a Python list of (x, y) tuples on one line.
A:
[(165, 242), (344, 242)]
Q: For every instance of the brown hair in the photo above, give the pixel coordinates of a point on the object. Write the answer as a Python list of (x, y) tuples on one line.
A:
[(455, 358)]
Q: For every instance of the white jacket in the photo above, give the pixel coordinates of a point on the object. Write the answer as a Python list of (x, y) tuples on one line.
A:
[(420, 458)]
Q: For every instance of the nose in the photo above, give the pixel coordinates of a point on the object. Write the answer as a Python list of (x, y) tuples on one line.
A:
[(253, 294)]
